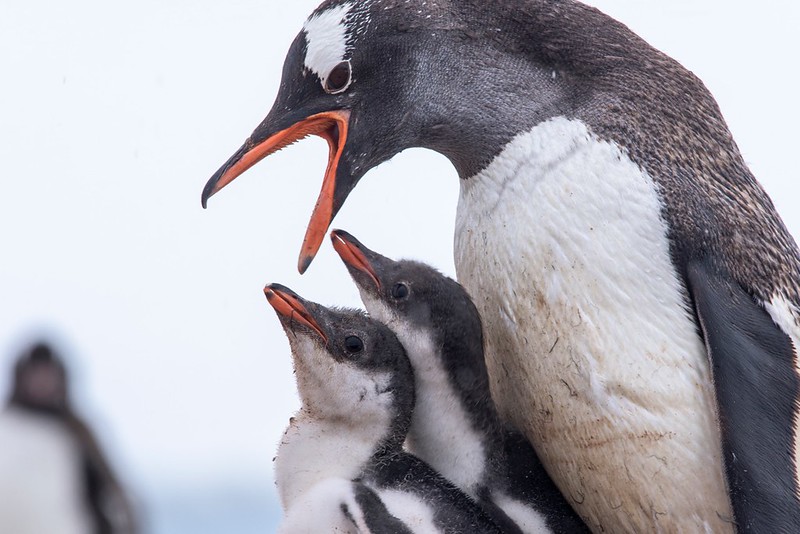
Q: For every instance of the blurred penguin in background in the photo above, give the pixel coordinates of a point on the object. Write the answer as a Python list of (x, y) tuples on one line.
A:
[(54, 478)]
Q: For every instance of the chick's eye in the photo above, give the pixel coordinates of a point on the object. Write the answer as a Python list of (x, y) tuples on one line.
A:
[(400, 291), (353, 344), (339, 78)]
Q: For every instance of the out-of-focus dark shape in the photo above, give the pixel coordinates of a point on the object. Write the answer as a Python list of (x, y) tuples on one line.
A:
[(54, 478)]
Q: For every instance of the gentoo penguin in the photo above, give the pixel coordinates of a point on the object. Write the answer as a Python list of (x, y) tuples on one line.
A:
[(455, 426), (340, 465), (54, 478), (619, 250)]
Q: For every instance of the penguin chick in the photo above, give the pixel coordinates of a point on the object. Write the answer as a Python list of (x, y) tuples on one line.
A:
[(455, 426), (340, 466)]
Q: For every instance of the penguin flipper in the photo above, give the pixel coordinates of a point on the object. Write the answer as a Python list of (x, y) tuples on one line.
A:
[(752, 363), (342, 506), (375, 516), (107, 500)]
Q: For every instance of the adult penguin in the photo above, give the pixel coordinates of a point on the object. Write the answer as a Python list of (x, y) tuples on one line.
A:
[(638, 290), (54, 478)]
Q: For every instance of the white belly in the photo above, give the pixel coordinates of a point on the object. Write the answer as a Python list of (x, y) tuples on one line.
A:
[(41, 485), (589, 344)]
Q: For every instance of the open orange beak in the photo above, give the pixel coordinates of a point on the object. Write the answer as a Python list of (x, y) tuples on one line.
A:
[(350, 250), (289, 305), (331, 126)]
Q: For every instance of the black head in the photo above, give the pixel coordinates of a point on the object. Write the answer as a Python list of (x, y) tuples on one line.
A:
[(421, 295), (378, 76), (348, 366), (40, 380), (415, 299)]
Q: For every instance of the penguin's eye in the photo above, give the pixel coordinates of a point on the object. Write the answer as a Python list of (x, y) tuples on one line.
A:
[(399, 291), (353, 344), (339, 78)]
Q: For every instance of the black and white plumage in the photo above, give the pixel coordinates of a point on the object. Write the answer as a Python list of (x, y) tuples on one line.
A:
[(340, 465), (54, 477), (455, 426), (604, 209)]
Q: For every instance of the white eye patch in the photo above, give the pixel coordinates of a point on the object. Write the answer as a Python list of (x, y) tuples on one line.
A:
[(326, 40)]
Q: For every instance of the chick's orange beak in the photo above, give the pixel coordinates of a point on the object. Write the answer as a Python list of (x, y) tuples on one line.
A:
[(349, 249), (288, 305)]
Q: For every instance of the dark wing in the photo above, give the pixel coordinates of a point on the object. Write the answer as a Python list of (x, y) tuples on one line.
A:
[(454, 511), (372, 517), (752, 362), (107, 500), (529, 482)]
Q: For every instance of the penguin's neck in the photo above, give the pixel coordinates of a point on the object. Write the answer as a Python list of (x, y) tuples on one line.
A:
[(314, 449), (56, 410), (444, 432)]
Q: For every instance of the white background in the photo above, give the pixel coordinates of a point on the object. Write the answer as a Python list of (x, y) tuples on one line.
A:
[(112, 118)]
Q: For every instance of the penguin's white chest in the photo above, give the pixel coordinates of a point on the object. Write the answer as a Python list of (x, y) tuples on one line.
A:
[(41, 484), (591, 348)]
